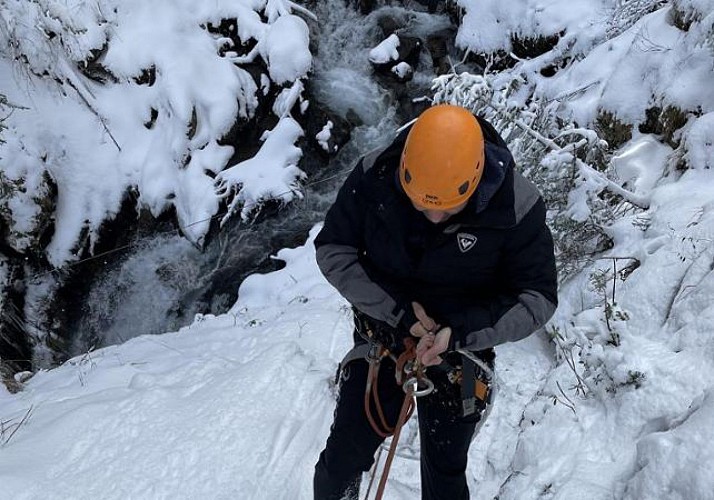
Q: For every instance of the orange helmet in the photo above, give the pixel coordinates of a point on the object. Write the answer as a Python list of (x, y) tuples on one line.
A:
[(443, 158)]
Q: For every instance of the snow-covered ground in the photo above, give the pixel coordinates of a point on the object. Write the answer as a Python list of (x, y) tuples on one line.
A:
[(235, 406), (231, 407), (618, 406), (239, 406)]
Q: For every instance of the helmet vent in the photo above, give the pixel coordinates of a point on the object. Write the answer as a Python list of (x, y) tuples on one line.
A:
[(407, 176), (463, 188)]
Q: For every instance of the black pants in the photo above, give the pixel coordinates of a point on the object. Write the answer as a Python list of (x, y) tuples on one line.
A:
[(445, 437)]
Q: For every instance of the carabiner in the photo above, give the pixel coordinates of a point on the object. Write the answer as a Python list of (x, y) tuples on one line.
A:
[(419, 382), (374, 354)]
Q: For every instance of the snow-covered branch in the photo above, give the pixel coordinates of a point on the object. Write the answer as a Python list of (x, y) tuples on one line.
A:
[(271, 174), (143, 109), (475, 92)]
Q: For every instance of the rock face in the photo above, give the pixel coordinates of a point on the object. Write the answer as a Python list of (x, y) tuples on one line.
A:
[(399, 55), (28, 198), (325, 132), (15, 348), (366, 6), (396, 57), (438, 46)]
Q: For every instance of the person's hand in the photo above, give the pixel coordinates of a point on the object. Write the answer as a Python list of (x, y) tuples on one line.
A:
[(433, 340), (431, 345), (425, 323)]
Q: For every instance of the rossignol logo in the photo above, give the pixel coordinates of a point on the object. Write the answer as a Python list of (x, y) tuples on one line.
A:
[(466, 241)]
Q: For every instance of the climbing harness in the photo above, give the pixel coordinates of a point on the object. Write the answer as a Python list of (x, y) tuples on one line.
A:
[(474, 376), (477, 386), (485, 379), (409, 376)]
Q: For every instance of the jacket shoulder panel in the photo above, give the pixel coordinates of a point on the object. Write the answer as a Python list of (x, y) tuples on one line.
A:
[(525, 195), (369, 159)]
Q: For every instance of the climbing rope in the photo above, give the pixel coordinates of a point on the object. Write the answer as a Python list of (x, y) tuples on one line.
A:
[(410, 376)]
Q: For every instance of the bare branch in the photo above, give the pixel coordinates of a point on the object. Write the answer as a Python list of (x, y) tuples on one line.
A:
[(18, 425)]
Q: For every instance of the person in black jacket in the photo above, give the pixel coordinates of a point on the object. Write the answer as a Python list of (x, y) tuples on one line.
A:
[(436, 237)]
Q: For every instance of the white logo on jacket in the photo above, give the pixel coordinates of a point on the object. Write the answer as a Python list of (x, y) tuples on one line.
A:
[(466, 241)]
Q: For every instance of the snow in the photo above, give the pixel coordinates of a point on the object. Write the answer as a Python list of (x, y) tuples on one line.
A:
[(23, 213), (286, 49), (402, 70), (182, 414), (287, 98), (323, 136), (271, 174), (239, 405), (488, 24), (623, 426), (386, 51), (640, 163), (699, 142), (111, 142), (667, 457), (698, 6), (662, 60), (620, 74), (197, 191)]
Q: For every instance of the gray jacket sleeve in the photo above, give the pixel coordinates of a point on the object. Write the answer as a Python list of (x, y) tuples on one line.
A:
[(341, 267), (337, 250), (530, 313), (530, 282)]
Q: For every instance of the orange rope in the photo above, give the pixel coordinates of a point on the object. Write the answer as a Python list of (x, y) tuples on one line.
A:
[(373, 473), (404, 415), (372, 396)]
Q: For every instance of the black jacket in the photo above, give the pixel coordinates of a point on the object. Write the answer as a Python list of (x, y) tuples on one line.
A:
[(487, 272)]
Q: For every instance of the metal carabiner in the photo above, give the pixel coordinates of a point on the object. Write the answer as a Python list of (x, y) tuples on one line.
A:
[(373, 355), (426, 384)]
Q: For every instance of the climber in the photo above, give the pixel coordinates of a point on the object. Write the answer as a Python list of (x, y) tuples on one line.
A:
[(435, 238)]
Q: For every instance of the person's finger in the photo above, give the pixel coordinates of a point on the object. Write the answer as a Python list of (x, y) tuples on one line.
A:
[(441, 343), (430, 357), (418, 330), (424, 344), (415, 330), (426, 321), (421, 349), (442, 337), (425, 348)]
